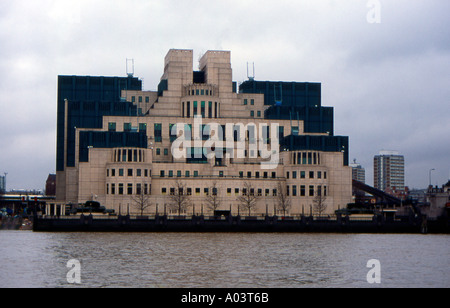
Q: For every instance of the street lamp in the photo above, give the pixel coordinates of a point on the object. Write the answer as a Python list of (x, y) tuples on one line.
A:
[(430, 174)]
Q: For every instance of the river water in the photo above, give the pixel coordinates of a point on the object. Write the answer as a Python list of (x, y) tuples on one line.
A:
[(223, 260)]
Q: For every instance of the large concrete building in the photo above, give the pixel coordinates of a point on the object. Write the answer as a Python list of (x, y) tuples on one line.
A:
[(200, 136)]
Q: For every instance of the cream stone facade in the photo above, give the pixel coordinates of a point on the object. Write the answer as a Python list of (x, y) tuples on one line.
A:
[(118, 176)]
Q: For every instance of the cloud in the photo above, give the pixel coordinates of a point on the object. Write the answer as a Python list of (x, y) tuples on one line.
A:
[(388, 82)]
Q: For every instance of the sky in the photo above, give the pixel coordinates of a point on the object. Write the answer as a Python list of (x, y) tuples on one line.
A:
[(384, 67)]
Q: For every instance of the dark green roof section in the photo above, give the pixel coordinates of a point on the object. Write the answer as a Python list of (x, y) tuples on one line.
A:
[(90, 98), (285, 93), (317, 143), (94, 139)]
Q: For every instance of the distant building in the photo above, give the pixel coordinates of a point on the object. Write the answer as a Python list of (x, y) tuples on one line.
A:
[(389, 171), (2, 184), (50, 185), (437, 201), (358, 172)]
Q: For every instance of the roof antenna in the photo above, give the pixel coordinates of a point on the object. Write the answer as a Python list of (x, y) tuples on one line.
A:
[(130, 70), (252, 77)]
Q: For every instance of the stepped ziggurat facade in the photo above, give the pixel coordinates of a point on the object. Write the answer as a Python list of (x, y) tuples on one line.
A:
[(200, 136)]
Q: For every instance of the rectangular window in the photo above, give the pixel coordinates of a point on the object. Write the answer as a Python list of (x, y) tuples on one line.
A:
[(138, 189), (236, 191), (121, 189), (245, 101), (188, 109), (113, 189), (203, 109), (130, 189), (311, 190), (294, 190), (187, 173), (170, 173), (158, 132), (142, 127), (162, 173), (163, 191), (302, 174), (302, 190), (280, 132), (209, 109), (172, 132), (127, 127), (112, 126), (138, 172), (197, 191), (120, 172), (195, 108), (294, 174), (311, 174), (130, 172)]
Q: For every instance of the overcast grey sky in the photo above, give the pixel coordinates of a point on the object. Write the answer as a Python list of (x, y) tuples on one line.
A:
[(389, 81)]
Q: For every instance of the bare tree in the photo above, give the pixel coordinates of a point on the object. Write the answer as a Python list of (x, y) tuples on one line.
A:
[(179, 199), (212, 198), (248, 199), (319, 203), (141, 200), (283, 201)]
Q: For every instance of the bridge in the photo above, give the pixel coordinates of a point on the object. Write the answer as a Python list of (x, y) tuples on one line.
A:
[(381, 196)]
